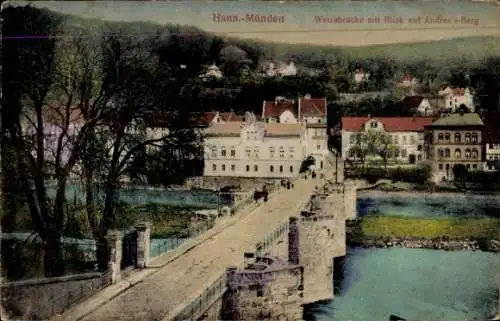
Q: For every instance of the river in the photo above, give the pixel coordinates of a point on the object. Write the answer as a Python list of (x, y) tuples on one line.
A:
[(415, 284)]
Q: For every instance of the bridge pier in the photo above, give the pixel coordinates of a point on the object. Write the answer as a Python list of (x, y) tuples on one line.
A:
[(114, 241)]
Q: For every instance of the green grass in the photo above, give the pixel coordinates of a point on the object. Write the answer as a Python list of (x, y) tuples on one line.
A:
[(429, 228)]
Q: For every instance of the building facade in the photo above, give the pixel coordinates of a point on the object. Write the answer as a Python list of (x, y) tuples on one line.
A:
[(491, 140), (404, 136), (254, 149), (455, 97), (452, 140)]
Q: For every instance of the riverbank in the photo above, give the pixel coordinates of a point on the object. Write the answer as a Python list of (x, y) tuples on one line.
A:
[(423, 232), (444, 189)]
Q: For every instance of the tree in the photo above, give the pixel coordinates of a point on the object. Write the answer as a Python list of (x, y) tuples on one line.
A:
[(381, 145), (233, 59)]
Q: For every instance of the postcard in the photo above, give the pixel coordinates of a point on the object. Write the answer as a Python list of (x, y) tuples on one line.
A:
[(263, 160)]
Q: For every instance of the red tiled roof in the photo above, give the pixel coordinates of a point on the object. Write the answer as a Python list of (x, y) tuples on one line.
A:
[(458, 91), (412, 102), (391, 124), (312, 107), (56, 115), (443, 86), (272, 109)]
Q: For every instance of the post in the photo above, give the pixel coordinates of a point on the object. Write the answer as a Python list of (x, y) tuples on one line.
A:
[(293, 242), (336, 167), (218, 202), (143, 241), (248, 259), (114, 240)]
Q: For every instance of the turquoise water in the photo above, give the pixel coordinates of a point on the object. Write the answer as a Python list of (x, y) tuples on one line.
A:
[(422, 204), (416, 284)]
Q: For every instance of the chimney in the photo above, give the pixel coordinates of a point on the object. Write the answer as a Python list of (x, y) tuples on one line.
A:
[(248, 259)]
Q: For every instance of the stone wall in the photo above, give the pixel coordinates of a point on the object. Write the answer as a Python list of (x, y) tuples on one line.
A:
[(446, 245), (40, 299), (280, 299), (316, 255)]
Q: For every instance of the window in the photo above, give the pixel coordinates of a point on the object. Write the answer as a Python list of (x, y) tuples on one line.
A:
[(412, 139), (318, 147), (214, 152), (491, 146), (475, 153), (271, 152), (440, 136), (447, 152), (458, 153), (233, 152), (291, 169), (248, 152), (440, 166), (291, 150), (248, 168), (214, 167), (441, 152), (457, 137), (474, 166), (419, 148), (373, 124), (447, 137), (255, 168), (256, 152), (447, 167), (396, 153), (474, 138), (223, 167), (223, 152), (468, 166), (467, 138), (403, 153), (467, 153), (396, 139), (419, 157), (351, 153), (233, 168), (404, 139), (281, 168), (282, 152), (271, 168)]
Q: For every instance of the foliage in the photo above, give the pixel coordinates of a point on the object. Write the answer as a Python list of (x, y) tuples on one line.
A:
[(429, 228), (460, 174), (419, 175), (306, 164), (374, 143)]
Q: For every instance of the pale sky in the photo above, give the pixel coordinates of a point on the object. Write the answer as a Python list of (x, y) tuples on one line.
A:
[(451, 19)]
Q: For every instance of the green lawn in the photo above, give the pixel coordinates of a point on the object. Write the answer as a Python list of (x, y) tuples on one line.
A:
[(429, 228)]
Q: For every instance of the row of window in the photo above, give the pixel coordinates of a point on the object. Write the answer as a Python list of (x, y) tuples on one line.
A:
[(412, 139), (249, 152), (469, 153), (390, 154), (448, 167), (468, 137), (223, 168)]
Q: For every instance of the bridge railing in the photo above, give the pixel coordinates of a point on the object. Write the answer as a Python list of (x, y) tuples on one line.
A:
[(202, 303), (272, 238)]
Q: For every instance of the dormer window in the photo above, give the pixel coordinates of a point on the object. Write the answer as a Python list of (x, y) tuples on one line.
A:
[(373, 124)]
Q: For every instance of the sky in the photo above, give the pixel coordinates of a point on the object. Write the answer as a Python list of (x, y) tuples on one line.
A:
[(312, 22)]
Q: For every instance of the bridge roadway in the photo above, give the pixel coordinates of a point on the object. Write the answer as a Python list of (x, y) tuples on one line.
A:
[(182, 280)]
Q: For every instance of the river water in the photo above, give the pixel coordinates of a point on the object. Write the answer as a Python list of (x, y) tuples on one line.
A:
[(415, 284)]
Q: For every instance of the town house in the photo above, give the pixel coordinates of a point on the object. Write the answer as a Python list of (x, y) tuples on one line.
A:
[(455, 97), (405, 135), (452, 140), (251, 148)]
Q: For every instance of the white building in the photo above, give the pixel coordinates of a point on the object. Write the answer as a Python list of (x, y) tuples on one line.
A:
[(491, 137), (406, 134), (360, 76), (407, 81), (254, 149), (455, 97), (308, 111), (213, 72), (419, 105), (279, 69)]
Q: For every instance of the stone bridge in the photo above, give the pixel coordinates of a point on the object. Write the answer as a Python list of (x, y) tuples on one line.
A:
[(270, 262)]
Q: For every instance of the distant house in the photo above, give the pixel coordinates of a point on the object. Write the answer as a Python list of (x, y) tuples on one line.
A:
[(346, 98), (418, 105), (275, 69), (360, 76), (213, 72), (455, 97), (406, 81)]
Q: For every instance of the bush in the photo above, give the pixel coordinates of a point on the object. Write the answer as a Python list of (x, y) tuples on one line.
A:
[(418, 175)]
